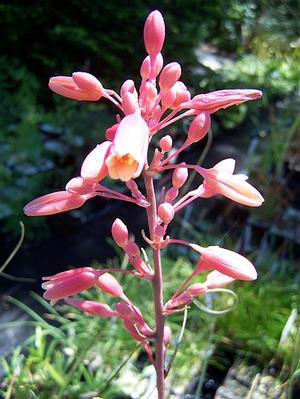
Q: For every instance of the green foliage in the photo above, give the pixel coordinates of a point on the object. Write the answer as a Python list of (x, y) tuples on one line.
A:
[(64, 358)]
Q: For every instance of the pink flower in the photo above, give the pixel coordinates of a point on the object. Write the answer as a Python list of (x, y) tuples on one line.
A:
[(224, 261), (107, 283), (129, 150), (70, 282), (120, 233), (199, 127), (92, 307), (180, 176), (169, 76), (94, 168), (166, 212), (215, 279), (154, 33), (82, 86), (78, 185), (212, 102), (133, 315), (221, 180), (50, 204), (178, 303)]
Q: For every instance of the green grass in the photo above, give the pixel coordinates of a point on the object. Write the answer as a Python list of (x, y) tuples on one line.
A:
[(71, 353)]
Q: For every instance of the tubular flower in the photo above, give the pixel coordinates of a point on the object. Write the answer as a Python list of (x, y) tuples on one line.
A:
[(221, 180), (129, 149), (60, 201), (216, 279), (70, 282), (212, 102), (92, 307), (224, 261), (82, 86)]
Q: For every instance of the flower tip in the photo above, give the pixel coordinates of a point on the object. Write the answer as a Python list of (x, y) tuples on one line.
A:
[(154, 33)]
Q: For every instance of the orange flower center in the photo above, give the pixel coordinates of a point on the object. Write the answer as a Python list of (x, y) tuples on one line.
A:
[(125, 159)]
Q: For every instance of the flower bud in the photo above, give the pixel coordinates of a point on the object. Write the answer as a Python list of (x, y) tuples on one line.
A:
[(166, 212), (132, 249), (168, 98), (145, 68), (69, 283), (216, 279), (182, 94), (169, 76), (77, 185), (57, 202), (130, 103), (171, 194), (107, 283), (91, 307), (154, 33), (120, 233), (199, 127), (167, 335), (165, 143), (128, 86), (179, 177), (225, 261), (197, 289)]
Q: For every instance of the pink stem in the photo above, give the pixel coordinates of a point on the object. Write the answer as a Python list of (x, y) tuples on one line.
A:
[(120, 271), (108, 193), (168, 120), (191, 196), (174, 154), (157, 284), (182, 286)]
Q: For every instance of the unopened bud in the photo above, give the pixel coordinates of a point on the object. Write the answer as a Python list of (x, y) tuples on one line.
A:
[(182, 94), (107, 283), (120, 233), (87, 82), (77, 185), (171, 194), (154, 33), (130, 103), (128, 86), (166, 212), (165, 143), (168, 98), (146, 66), (167, 335), (132, 249), (169, 76), (199, 127), (179, 177), (197, 289)]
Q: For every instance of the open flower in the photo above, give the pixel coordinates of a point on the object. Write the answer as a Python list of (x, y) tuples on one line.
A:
[(221, 180), (94, 168), (129, 149)]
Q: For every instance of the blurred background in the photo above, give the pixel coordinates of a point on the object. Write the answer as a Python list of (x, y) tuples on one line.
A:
[(43, 140)]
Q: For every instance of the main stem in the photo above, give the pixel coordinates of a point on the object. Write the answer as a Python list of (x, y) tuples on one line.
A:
[(157, 284)]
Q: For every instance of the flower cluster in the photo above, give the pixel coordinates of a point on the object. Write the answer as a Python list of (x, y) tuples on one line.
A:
[(160, 100)]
